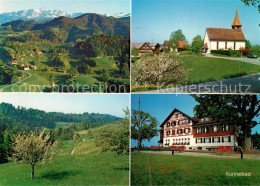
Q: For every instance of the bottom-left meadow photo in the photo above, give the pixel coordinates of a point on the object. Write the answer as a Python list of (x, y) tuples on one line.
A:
[(64, 139)]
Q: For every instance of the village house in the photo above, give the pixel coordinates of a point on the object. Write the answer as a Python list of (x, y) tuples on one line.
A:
[(180, 45), (181, 130), (26, 67), (223, 38), (14, 62), (147, 48)]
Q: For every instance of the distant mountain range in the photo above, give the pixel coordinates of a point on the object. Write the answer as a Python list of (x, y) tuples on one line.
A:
[(40, 14), (66, 29)]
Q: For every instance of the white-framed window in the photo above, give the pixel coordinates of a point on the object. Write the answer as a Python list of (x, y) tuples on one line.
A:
[(207, 140), (187, 130), (198, 130), (215, 128)]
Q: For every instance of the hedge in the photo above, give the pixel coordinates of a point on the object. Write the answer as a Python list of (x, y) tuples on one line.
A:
[(229, 52)]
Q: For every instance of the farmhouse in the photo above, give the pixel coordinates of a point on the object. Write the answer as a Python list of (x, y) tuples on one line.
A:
[(180, 45), (14, 62), (179, 129), (223, 38), (26, 67), (149, 49)]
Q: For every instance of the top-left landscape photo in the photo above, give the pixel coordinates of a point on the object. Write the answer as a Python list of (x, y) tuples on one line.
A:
[(65, 46)]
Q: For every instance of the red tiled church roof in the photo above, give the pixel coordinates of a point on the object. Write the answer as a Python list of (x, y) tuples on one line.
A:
[(225, 34)]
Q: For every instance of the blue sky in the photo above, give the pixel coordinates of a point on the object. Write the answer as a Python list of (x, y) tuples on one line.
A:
[(161, 105), (72, 6), (154, 20), (70, 103)]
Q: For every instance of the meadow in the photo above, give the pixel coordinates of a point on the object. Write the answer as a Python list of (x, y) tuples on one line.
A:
[(205, 69), (42, 54), (77, 164), (191, 170), (201, 69)]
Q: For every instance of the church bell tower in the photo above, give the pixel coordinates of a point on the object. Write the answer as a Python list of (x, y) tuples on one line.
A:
[(236, 26)]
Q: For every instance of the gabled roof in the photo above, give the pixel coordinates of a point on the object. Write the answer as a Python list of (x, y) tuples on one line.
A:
[(236, 21), (224, 34), (136, 45), (181, 44), (148, 44), (176, 110)]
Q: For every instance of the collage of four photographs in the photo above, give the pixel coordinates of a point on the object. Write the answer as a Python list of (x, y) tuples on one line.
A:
[(129, 92)]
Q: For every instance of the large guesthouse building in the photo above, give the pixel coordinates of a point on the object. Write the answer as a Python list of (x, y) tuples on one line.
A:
[(223, 38), (179, 129)]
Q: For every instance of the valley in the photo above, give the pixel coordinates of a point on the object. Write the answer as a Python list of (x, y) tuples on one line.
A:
[(89, 53)]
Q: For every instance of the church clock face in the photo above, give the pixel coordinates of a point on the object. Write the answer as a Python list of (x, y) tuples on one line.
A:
[(237, 29)]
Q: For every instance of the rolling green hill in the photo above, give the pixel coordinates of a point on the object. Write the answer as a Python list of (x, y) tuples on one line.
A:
[(67, 29), (79, 163), (21, 118)]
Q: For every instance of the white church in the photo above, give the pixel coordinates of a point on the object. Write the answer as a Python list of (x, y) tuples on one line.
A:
[(223, 38)]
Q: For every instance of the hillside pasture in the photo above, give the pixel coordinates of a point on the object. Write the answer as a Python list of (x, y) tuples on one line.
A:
[(87, 165)]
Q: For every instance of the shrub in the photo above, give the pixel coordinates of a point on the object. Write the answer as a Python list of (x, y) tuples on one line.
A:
[(229, 52), (246, 51), (165, 69), (86, 61), (255, 50)]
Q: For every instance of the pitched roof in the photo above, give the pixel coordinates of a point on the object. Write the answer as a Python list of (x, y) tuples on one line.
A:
[(181, 44), (153, 45), (136, 45), (176, 110), (236, 21), (225, 34)]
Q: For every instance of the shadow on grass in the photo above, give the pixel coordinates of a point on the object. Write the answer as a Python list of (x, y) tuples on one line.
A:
[(122, 168), (57, 175)]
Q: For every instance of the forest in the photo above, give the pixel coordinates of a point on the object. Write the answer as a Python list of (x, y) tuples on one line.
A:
[(19, 119)]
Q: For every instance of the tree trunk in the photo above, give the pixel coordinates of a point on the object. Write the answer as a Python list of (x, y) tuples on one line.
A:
[(32, 174), (247, 143)]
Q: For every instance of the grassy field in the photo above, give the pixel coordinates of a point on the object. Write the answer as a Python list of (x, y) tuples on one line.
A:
[(190, 170), (44, 77), (81, 164), (203, 69)]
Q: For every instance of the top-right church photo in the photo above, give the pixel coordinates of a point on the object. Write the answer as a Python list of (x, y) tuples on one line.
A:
[(197, 46)]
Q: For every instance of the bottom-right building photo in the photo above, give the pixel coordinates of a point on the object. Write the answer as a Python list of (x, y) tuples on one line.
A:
[(195, 139)]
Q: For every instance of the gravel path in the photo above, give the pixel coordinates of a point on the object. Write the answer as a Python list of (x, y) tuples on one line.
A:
[(248, 60)]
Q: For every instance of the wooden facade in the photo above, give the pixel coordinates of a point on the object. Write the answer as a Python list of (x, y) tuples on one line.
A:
[(179, 129)]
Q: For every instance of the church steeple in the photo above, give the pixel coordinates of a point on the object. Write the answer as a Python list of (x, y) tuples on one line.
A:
[(236, 23)]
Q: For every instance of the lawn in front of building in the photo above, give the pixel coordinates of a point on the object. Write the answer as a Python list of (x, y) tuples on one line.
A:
[(191, 170)]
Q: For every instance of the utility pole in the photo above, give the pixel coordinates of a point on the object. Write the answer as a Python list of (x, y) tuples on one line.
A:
[(139, 120)]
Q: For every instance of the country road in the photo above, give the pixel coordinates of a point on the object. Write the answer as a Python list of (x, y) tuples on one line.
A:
[(20, 81), (247, 60), (244, 84)]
